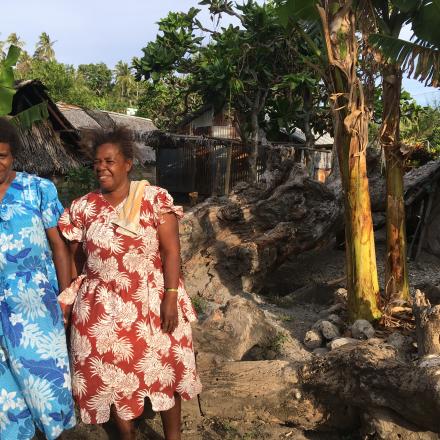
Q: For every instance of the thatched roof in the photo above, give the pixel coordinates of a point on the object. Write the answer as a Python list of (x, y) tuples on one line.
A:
[(84, 118), (50, 146), (43, 152), (161, 139)]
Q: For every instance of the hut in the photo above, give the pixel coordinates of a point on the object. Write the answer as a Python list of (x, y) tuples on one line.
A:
[(208, 122), (82, 118), (49, 144), (320, 155)]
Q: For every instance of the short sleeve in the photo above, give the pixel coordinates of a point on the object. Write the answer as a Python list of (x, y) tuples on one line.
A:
[(51, 207), (164, 204), (71, 222)]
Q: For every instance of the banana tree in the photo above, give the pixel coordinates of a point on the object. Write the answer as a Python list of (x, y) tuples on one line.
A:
[(336, 55), (7, 90), (32, 114), (422, 61)]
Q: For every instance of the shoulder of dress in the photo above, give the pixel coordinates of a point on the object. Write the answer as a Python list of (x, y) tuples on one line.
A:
[(86, 198), (150, 192)]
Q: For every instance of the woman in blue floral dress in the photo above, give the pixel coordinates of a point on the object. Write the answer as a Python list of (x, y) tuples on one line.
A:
[(35, 387)]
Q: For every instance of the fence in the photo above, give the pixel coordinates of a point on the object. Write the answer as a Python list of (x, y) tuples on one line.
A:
[(208, 166)]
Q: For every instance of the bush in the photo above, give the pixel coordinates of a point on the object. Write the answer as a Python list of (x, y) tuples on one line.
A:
[(77, 182)]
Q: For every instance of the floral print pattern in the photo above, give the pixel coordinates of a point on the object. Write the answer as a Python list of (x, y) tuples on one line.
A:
[(119, 352), (35, 383)]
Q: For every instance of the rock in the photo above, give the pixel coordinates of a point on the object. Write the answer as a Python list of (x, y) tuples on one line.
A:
[(362, 329), (336, 320), (313, 339), (397, 340), (328, 330), (383, 424), (233, 330), (319, 293), (336, 308), (321, 351), (339, 342)]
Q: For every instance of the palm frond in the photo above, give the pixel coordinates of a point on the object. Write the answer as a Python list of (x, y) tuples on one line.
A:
[(419, 62)]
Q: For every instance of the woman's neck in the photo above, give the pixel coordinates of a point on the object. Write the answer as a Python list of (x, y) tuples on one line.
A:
[(119, 194)]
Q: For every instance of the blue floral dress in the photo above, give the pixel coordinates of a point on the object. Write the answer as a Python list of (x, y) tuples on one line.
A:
[(35, 384)]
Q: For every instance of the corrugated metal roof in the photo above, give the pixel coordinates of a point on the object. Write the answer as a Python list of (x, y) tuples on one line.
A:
[(325, 139)]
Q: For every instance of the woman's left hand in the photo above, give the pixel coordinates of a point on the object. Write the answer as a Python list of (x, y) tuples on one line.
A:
[(168, 312)]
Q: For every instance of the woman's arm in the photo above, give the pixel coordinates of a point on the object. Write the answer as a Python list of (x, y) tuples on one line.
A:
[(78, 258), (61, 257), (170, 253)]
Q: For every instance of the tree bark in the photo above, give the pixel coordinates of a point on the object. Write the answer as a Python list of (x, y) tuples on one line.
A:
[(427, 325), (396, 272), (253, 155), (351, 137)]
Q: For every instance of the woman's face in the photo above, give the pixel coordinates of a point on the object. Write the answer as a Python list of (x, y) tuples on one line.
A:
[(111, 167), (6, 160)]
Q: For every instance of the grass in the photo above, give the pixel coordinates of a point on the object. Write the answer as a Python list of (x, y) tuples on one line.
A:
[(200, 304), (278, 342)]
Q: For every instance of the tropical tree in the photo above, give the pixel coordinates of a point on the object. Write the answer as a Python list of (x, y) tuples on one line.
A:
[(15, 40), (125, 82), (336, 54), (44, 50), (239, 68), (389, 17), (166, 101), (97, 77)]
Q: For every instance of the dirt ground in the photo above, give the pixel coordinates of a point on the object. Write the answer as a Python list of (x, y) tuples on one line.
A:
[(292, 321)]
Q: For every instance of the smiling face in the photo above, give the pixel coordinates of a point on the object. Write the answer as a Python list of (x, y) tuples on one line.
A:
[(111, 167), (6, 160)]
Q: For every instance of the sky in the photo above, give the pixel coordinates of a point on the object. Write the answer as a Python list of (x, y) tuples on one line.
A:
[(91, 31)]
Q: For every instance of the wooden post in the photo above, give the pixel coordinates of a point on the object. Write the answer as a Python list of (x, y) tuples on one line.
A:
[(228, 169), (427, 325)]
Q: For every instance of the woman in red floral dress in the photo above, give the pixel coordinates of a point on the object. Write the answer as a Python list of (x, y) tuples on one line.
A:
[(130, 321)]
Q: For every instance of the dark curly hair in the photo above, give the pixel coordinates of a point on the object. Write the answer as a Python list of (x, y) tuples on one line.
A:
[(120, 136), (9, 135)]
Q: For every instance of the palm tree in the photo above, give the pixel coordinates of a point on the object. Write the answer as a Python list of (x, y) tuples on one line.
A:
[(44, 48), (15, 40), (24, 64), (124, 79), (336, 56)]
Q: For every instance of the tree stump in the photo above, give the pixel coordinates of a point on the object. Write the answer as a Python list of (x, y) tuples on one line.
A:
[(427, 325)]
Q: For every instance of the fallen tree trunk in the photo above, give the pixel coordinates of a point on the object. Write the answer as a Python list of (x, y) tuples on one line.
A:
[(330, 393), (230, 244), (427, 325)]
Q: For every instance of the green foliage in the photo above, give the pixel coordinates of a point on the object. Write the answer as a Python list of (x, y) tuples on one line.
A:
[(240, 68), (166, 101), (44, 50), (28, 117), (200, 304), (97, 77), (77, 182), (7, 90)]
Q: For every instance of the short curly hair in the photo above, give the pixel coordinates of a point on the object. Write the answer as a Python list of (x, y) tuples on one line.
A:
[(9, 135), (92, 139)]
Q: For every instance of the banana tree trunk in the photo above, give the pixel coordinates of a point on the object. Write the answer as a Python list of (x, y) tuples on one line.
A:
[(351, 137), (362, 280), (396, 272)]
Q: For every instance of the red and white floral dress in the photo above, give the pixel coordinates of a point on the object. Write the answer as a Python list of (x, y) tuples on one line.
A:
[(119, 353)]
